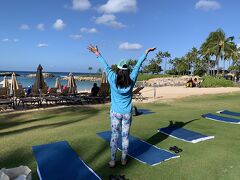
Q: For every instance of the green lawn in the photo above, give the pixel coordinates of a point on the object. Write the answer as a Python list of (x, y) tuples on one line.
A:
[(213, 159)]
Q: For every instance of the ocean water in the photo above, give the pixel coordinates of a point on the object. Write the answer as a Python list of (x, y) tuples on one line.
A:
[(26, 81)]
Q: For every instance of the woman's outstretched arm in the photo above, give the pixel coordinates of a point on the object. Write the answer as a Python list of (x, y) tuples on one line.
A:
[(136, 68), (107, 69)]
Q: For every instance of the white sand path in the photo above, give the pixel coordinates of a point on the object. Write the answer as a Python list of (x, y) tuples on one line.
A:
[(176, 92)]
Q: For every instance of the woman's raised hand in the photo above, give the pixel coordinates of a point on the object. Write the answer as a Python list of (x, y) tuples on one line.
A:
[(149, 50), (93, 49)]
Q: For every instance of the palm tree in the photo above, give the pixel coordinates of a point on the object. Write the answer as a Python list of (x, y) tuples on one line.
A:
[(235, 55), (132, 63), (192, 58), (99, 71), (167, 55), (90, 69), (180, 65), (162, 56), (218, 45)]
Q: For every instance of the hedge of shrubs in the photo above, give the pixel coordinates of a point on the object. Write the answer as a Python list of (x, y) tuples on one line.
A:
[(210, 81), (145, 77)]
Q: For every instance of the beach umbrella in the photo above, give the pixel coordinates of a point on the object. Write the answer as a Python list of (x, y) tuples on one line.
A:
[(58, 84), (104, 78), (14, 85), (5, 82), (72, 84), (39, 83), (104, 86)]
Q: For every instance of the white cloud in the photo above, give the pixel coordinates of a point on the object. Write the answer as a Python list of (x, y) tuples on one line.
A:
[(207, 5), (40, 27), (75, 37), (130, 46), (59, 24), (116, 6), (24, 27), (109, 20), (88, 30), (5, 40), (238, 45), (41, 45), (81, 4), (10, 40), (15, 40)]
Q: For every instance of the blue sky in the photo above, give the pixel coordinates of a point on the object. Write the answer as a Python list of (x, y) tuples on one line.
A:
[(55, 33)]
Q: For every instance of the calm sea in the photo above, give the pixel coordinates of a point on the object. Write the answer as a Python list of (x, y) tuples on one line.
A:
[(25, 81)]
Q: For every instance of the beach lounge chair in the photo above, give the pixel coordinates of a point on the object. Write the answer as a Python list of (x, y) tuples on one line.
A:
[(103, 94), (104, 90), (6, 103), (36, 93), (53, 96), (52, 92), (64, 91), (31, 101), (68, 97), (3, 92), (137, 94), (53, 99)]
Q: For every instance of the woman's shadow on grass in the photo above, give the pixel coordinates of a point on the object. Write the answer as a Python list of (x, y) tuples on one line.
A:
[(158, 137)]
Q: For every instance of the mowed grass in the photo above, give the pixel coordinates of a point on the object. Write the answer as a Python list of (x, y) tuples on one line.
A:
[(212, 159)]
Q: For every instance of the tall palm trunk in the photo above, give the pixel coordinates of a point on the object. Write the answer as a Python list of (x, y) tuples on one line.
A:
[(217, 63), (209, 67), (165, 65), (223, 72)]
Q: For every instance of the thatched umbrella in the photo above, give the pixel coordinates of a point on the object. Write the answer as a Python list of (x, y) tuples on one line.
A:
[(104, 86), (72, 84), (58, 84), (5, 82), (14, 85), (104, 78), (39, 83)]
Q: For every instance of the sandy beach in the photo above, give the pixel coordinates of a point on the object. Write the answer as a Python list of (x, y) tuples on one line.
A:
[(176, 92)]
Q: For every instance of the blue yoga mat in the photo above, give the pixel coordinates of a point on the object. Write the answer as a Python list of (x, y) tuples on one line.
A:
[(142, 151), (146, 111), (59, 161), (184, 134), (221, 118), (229, 113)]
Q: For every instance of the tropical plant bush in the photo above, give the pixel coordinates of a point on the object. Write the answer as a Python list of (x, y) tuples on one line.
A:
[(218, 81)]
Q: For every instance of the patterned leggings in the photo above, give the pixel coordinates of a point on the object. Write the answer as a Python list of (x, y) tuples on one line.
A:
[(120, 122)]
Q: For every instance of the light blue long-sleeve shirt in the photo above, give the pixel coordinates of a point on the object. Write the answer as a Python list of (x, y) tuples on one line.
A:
[(121, 98)]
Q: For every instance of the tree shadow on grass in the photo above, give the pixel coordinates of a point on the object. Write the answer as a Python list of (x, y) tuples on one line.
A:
[(10, 124), (85, 114), (23, 156), (19, 157)]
